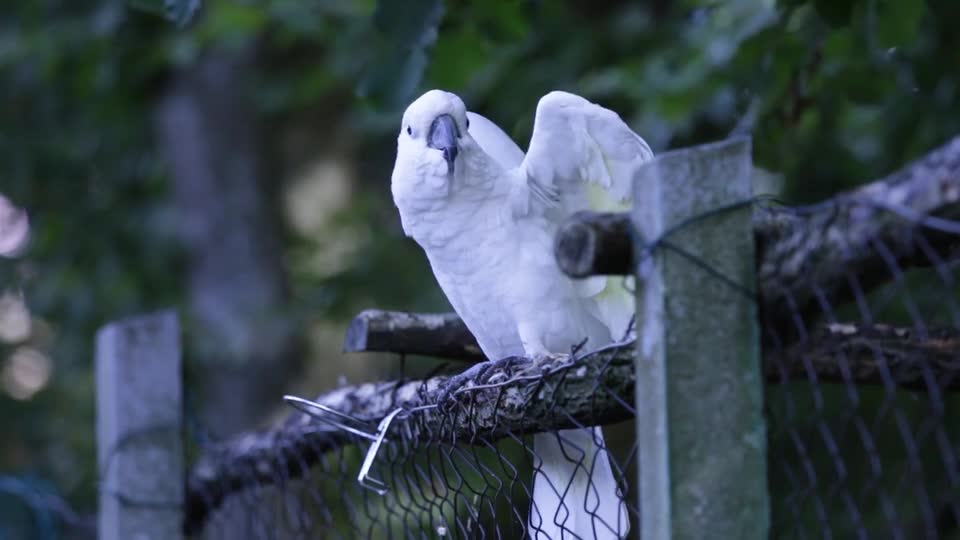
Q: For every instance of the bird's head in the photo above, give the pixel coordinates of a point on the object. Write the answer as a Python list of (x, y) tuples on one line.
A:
[(434, 131), (436, 157)]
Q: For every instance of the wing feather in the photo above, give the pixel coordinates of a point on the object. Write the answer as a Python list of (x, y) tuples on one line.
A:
[(583, 156), (576, 144)]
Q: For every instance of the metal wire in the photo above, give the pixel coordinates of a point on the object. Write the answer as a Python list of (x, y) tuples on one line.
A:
[(864, 446)]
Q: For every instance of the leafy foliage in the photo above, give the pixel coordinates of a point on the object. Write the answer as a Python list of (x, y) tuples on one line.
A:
[(178, 11), (834, 93)]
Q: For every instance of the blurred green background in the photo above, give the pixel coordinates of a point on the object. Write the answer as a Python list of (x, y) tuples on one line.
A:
[(235, 163)]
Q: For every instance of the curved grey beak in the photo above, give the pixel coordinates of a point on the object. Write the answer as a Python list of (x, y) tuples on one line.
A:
[(443, 136)]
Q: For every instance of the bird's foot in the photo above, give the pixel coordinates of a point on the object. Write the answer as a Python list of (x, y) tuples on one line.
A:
[(477, 375)]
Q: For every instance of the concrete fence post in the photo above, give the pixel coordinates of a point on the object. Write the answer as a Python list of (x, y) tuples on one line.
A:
[(139, 428), (700, 423)]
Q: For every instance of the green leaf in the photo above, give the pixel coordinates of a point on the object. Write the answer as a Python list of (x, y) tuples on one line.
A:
[(865, 85), (234, 19), (413, 23), (157, 7), (392, 80), (836, 13), (180, 12), (898, 21), (458, 57), (502, 20), (407, 31)]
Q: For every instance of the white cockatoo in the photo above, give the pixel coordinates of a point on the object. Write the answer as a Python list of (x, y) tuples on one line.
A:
[(486, 216)]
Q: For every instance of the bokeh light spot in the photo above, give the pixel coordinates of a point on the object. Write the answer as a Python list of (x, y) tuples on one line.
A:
[(26, 372), (14, 228)]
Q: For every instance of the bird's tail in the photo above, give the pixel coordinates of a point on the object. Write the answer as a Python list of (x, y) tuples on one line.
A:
[(575, 493)]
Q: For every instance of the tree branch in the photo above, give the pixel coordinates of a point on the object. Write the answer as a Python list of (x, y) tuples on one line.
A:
[(442, 335), (866, 235), (594, 244), (800, 253), (518, 396), (814, 250), (876, 354), (523, 396)]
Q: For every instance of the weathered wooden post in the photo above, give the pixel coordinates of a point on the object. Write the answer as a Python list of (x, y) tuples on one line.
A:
[(139, 428), (702, 440)]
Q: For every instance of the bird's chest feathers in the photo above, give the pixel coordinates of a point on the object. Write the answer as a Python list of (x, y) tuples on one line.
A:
[(465, 236), (420, 185), (448, 214)]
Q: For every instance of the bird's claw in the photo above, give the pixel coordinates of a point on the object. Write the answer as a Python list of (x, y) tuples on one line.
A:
[(477, 374), (446, 392)]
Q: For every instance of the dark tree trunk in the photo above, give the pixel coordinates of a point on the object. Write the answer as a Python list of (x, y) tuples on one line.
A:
[(243, 346)]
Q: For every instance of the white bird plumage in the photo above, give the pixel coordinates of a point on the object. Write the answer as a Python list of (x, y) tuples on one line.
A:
[(486, 215)]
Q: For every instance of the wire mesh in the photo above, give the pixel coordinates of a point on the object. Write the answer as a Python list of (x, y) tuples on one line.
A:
[(445, 477), (858, 404), (855, 460)]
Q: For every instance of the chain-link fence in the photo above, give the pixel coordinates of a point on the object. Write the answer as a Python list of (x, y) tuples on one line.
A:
[(462, 470), (863, 362), (858, 339)]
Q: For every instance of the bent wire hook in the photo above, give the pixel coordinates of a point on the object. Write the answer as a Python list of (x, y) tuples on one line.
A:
[(377, 437)]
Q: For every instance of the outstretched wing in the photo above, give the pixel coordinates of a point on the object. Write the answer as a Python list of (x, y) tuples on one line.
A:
[(577, 144), (582, 156)]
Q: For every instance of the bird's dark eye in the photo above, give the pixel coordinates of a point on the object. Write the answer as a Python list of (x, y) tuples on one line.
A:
[(409, 131)]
